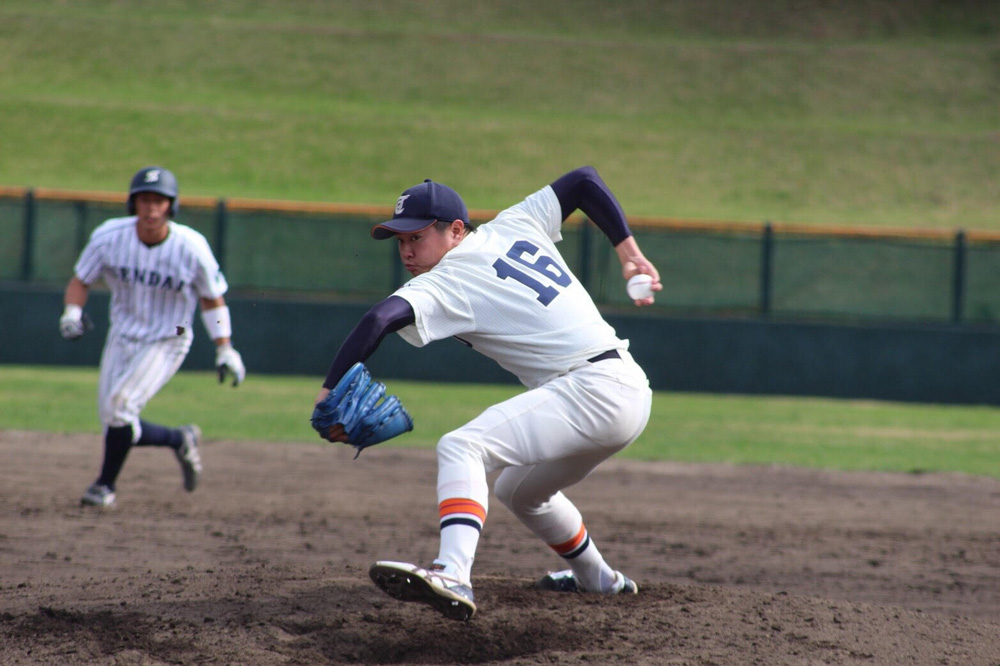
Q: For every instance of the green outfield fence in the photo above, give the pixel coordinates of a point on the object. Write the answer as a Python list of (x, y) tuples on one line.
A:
[(771, 270)]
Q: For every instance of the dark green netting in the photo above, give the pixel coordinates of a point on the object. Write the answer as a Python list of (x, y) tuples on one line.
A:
[(862, 277), (703, 270)]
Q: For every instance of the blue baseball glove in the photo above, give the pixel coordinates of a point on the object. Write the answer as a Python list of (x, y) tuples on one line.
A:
[(361, 406)]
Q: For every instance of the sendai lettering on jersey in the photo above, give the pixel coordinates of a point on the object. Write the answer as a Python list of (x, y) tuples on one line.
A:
[(137, 275)]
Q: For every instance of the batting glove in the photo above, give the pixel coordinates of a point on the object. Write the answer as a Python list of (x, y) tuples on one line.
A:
[(229, 362), (71, 324)]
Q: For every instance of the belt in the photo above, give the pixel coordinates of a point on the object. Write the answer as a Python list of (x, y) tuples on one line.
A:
[(611, 353)]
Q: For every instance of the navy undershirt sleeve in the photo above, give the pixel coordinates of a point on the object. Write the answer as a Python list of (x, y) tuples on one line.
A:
[(385, 317), (583, 189)]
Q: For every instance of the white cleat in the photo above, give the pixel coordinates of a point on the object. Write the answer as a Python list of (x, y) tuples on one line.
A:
[(408, 582), (565, 581)]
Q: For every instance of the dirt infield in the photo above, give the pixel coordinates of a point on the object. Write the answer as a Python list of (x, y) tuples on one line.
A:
[(266, 563)]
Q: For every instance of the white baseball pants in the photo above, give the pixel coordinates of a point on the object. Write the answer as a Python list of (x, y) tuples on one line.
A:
[(545, 440), (132, 372)]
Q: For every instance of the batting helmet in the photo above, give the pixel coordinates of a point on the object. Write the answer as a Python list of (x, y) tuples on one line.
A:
[(154, 179)]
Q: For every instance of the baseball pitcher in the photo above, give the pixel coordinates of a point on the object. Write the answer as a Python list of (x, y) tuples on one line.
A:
[(504, 289)]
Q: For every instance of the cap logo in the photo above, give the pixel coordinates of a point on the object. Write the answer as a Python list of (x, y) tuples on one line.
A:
[(399, 203), (153, 176)]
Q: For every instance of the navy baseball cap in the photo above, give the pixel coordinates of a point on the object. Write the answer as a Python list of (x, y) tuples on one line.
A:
[(418, 207)]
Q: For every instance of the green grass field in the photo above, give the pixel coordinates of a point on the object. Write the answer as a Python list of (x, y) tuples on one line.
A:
[(819, 433), (862, 112)]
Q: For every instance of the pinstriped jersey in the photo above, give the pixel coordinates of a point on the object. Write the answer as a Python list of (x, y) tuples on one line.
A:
[(154, 290), (506, 291)]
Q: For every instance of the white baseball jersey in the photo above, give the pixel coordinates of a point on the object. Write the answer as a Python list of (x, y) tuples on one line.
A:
[(506, 291), (154, 290)]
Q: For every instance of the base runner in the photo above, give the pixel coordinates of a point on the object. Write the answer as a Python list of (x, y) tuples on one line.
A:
[(157, 272)]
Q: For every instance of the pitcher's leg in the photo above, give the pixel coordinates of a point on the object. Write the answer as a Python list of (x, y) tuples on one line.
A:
[(463, 502), (531, 494), (540, 429)]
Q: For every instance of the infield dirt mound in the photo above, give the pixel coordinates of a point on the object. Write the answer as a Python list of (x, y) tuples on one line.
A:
[(266, 563)]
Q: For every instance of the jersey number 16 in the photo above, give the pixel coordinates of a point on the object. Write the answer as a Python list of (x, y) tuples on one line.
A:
[(523, 253)]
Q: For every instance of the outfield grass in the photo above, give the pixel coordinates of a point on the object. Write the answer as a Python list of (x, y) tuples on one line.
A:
[(856, 112), (809, 432)]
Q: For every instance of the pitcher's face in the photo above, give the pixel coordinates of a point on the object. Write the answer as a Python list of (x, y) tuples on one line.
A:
[(422, 250)]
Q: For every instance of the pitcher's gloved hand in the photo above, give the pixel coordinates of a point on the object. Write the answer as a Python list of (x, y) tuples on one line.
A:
[(367, 416)]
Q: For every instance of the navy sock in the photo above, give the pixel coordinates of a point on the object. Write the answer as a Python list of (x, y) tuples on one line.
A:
[(117, 442), (157, 435)]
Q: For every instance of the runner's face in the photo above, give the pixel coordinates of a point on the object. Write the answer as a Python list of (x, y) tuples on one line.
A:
[(151, 208)]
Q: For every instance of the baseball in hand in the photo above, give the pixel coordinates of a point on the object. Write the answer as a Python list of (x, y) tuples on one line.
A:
[(638, 287)]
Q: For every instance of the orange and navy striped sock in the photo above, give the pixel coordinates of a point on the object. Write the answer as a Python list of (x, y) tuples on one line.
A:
[(462, 511), (572, 548)]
